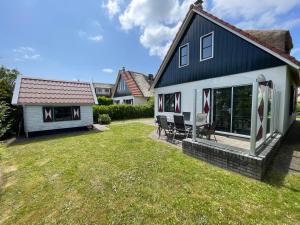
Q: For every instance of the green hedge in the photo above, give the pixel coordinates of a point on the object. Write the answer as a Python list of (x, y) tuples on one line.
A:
[(102, 100), (121, 112), (298, 109)]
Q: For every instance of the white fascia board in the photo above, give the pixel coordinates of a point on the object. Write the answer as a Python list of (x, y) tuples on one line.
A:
[(94, 94), (14, 100)]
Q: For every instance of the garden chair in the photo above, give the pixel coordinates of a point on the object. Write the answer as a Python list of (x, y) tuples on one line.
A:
[(209, 130), (180, 127), (165, 126)]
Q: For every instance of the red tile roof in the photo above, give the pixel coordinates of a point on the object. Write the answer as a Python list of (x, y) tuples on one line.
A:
[(131, 84), (40, 91), (249, 36)]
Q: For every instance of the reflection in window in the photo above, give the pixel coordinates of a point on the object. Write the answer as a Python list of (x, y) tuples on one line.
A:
[(169, 103), (184, 57), (207, 46)]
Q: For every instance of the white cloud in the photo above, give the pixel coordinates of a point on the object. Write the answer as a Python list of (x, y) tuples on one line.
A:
[(97, 38), (93, 38), (112, 7), (256, 13), (158, 21), (107, 70), (25, 53)]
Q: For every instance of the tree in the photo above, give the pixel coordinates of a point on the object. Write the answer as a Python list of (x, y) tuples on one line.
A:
[(7, 83), (8, 113)]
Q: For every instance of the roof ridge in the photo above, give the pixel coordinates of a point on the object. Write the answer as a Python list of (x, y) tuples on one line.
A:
[(54, 80)]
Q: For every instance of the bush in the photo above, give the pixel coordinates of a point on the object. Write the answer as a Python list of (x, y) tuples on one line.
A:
[(104, 119), (121, 112), (7, 121), (298, 109), (104, 101)]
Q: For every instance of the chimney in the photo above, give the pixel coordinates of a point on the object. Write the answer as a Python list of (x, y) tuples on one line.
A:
[(199, 3), (123, 69), (150, 78)]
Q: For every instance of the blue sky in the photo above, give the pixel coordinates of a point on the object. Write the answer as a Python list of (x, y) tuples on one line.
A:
[(93, 39)]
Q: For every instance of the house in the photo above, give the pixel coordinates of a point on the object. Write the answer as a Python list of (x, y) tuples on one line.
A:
[(102, 89), (51, 106), (244, 80), (132, 88)]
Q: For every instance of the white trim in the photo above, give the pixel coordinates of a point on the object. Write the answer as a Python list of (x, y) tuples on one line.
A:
[(188, 55), (15, 98), (213, 44), (93, 92), (249, 40), (233, 134)]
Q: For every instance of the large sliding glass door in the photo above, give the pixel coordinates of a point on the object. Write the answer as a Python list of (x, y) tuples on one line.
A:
[(232, 109), (222, 109)]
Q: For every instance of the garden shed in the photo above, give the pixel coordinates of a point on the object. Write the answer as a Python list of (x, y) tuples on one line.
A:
[(51, 106)]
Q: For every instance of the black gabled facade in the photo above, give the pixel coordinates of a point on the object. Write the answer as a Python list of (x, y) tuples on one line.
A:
[(232, 55)]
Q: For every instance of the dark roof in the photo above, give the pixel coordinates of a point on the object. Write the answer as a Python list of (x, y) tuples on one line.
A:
[(41, 91), (137, 83), (280, 39)]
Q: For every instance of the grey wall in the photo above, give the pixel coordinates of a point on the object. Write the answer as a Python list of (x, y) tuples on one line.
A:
[(33, 119)]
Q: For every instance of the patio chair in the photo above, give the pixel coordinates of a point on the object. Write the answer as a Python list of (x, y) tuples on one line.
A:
[(209, 130), (180, 127), (158, 124), (165, 126)]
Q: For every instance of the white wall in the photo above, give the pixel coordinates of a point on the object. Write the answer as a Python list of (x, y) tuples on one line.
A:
[(33, 119), (136, 100), (277, 74)]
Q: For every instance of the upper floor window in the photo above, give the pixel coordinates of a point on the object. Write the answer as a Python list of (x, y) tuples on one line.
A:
[(207, 46), (184, 55)]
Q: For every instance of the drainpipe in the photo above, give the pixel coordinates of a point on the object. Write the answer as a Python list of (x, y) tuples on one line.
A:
[(254, 118), (194, 117)]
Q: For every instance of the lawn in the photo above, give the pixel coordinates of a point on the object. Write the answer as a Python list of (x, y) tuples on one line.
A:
[(123, 177)]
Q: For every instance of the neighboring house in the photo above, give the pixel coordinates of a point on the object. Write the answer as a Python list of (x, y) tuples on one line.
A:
[(51, 106), (132, 88), (103, 89), (221, 63)]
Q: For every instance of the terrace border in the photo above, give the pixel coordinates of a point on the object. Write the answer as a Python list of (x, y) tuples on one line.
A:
[(231, 159)]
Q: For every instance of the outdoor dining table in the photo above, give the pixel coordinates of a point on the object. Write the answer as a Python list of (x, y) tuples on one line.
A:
[(187, 123)]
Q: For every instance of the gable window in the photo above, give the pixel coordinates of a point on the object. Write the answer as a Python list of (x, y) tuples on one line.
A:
[(184, 55), (207, 46), (169, 103)]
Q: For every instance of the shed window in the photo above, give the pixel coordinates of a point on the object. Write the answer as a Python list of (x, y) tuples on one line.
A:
[(58, 114), (169, 102), (207, 48), (184, 55)]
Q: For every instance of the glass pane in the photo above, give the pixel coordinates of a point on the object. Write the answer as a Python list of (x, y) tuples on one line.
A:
[(183, 61), (222, 109), (207, 41), (207, 53), (183, 51), (62, 113), (241, 113), (169, 103)]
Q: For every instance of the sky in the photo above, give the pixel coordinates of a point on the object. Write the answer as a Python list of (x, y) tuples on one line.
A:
[(91, 40)]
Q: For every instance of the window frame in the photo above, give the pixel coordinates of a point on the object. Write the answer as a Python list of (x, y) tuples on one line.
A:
[(54, 117), (212, 45), (164, 103), (188, 55)]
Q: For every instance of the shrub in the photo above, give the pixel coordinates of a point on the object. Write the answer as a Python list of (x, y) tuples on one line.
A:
[(7, 121), (104, 119), (121, 112), (102, 100), (298, 109)]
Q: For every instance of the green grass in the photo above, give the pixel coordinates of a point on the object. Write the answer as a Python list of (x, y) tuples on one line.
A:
[(123, 177)]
